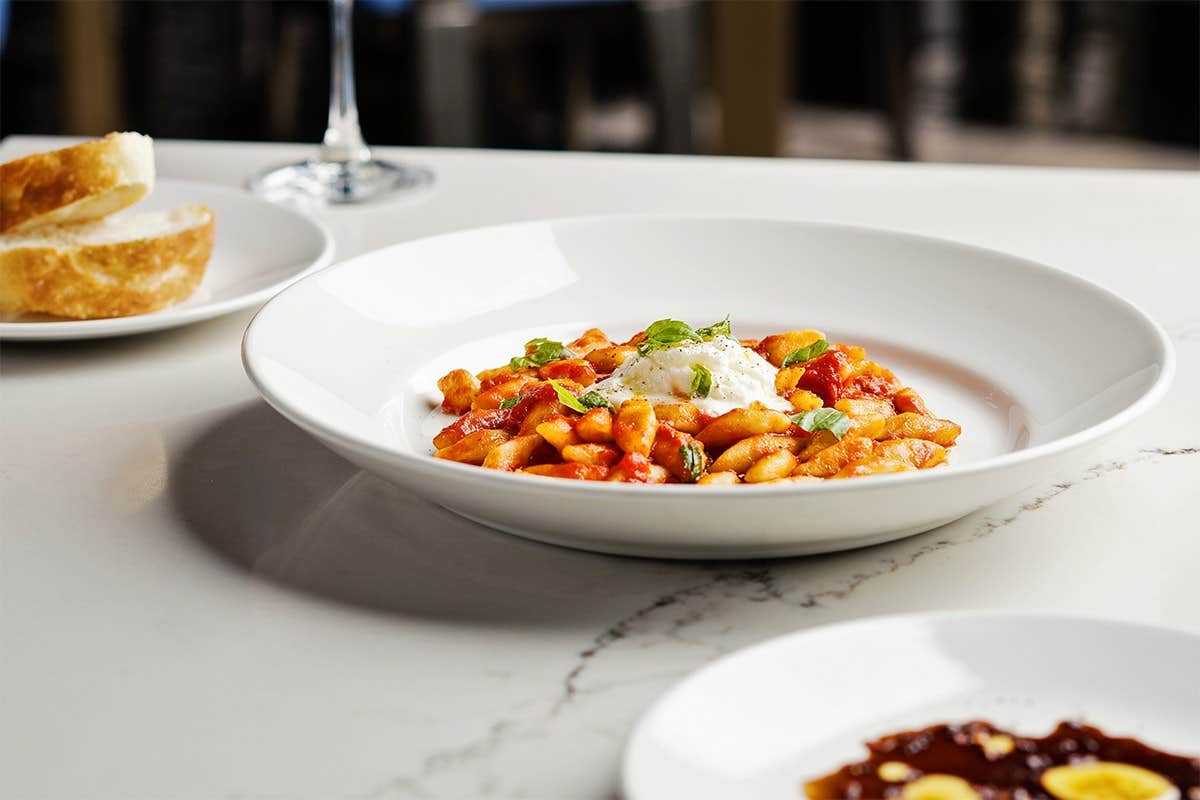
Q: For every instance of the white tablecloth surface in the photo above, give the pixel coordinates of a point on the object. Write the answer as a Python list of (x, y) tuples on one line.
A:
[(200, 602)]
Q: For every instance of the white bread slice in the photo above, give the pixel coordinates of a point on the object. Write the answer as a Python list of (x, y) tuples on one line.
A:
[(127, 264), (87, 181)]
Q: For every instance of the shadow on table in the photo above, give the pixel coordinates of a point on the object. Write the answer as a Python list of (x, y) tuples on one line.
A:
[(266, 496), (31, 357)]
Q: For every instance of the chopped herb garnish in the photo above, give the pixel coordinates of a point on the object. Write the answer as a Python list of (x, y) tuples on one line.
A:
[(544, 351), (594, 399), (807, 353), (823, 419), (509, 402), (693, 459), (670, 332), (716, 329), (701, 381), (566, 398)]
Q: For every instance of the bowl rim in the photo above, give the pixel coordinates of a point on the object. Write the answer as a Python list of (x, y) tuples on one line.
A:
[(429, 465)]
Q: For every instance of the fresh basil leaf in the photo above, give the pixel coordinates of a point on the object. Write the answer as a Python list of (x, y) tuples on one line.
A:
[(701, 381), (510, 401), (666, 333), (594, 399), (808, 353), (716, 329), (566, 398), (693, 459), (544, 351), (824, 419)]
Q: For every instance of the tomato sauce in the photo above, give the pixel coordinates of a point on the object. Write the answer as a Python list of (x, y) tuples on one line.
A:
[(576, 369), (823, 376), (636, 468), (474, 421), (870, 386)]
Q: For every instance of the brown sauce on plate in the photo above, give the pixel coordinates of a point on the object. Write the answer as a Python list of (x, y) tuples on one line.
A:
[(999, 765)]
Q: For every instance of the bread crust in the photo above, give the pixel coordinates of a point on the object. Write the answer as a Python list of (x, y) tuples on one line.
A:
[(86, 181), (107, 280)]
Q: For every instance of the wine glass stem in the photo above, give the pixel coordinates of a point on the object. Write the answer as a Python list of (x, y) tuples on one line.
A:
[(343, 137)]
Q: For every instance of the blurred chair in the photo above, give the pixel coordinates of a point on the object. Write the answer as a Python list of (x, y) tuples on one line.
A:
[(447, 72), (754, 52), (449, 34), (854, 55), (672, 34), (91, 64)]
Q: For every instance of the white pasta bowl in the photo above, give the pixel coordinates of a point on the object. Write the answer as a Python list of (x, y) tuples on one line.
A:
[(1032, 362)]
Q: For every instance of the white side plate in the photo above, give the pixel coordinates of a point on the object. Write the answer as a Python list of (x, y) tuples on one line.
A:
[(260, 248), (762, 721), (1033, 362)]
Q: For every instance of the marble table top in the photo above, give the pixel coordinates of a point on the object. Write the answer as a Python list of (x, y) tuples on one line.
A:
[(200, 601)]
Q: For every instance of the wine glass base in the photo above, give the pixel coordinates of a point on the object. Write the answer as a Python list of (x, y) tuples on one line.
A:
[(338, 182)]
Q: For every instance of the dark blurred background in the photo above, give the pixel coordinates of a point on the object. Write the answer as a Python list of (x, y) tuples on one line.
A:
[(1068, 82)]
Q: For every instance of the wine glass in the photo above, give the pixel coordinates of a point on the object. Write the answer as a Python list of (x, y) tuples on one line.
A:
[(343, 170)]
